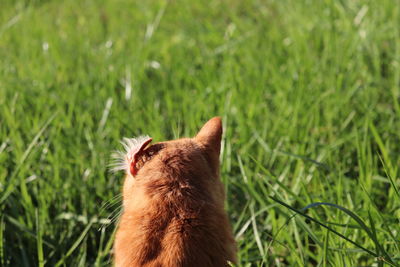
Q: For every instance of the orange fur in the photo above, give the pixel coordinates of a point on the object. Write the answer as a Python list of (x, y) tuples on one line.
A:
[(174, 206)]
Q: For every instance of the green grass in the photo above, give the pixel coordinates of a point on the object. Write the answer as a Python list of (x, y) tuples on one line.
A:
[(308, 92)]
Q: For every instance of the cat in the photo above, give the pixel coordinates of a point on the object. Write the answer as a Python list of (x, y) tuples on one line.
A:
[(173, 203)]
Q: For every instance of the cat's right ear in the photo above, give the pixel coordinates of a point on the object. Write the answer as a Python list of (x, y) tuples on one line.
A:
[(209, 137), (211, 133)]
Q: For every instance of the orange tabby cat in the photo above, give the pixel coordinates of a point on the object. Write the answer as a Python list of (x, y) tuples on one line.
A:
[(174, 203)]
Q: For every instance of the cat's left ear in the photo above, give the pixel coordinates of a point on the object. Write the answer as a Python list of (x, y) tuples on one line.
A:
[(210, 136), (126, 160)]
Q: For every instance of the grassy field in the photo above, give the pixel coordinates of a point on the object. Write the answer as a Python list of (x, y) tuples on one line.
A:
[(308, 92)]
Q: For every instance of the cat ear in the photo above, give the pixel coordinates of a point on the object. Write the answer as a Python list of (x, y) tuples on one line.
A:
[(132, 168), (126, 160), (210, 135)]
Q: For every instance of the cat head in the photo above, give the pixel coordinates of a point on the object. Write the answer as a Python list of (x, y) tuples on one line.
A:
[(199, 153)]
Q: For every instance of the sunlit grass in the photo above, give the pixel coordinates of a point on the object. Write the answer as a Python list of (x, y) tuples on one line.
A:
[(309, 96)]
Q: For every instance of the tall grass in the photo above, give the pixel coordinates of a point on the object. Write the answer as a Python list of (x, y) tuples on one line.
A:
[(309, 96)]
